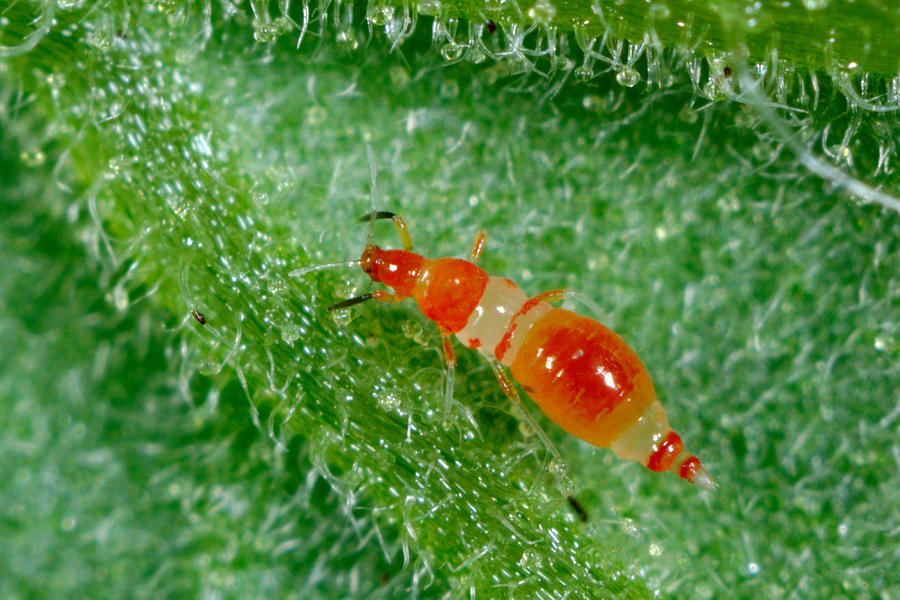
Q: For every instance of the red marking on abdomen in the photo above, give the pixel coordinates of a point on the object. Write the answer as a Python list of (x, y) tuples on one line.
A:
[(584, 376), (474, 343), (689, 468), (504, 343), (665, 454)]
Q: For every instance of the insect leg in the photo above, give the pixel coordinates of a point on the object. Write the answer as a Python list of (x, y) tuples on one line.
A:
[(450, 359), (511, 393), (399, 225), (554, 295), (479, 245)]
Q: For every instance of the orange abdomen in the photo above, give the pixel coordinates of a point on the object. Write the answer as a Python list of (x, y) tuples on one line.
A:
[(583, 376)]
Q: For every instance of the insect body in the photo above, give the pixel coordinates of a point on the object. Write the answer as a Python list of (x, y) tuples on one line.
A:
[(582, 375)]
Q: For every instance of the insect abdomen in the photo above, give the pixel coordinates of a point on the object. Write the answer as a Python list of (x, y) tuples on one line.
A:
[(583, 376)]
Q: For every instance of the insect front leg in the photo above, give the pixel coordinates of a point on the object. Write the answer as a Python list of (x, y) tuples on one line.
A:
[(479, 245)]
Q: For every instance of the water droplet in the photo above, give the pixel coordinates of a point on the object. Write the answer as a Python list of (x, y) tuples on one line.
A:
[(290, 331), (629, 528), (565, 485), (584, 73), (530, 560), (843, 529), (282, 25), (68, 523), (557, 467), (752, 568), (563, 63), (379, 15), (69, 4), (451, 51), (712, 91), (388, 400), (208, 368), (881, 343), (166, 6), (98, 40), (815, 4), (56, 80), (475, 56), (265, 32), (431, 8), (33, 158), (412, 330), (345, 289), (628, 77), (655, 549), (347, 39), (542, 12), (341, 317), (315, 115), (276, 287)]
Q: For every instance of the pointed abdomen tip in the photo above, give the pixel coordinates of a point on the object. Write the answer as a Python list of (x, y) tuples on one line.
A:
[(693, 471), (703, 479)]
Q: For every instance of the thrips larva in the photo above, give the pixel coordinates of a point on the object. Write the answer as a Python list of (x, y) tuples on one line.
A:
[(582, 375)]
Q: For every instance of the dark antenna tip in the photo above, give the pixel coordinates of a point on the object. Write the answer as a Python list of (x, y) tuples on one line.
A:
[(579, 510), (375, 215), (350, 302)]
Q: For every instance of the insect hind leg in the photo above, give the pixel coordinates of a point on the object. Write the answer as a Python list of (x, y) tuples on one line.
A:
[(450, 382), (509, 389), (564, 294)]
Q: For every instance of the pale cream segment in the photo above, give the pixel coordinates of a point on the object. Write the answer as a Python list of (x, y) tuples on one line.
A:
[(487, 324), (640, 439)]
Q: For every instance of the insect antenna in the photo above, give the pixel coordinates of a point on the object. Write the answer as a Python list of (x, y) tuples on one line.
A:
[(306, 270), (373, 216)]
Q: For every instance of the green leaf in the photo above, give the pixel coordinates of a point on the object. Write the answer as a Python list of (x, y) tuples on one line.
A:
[(182, 416)]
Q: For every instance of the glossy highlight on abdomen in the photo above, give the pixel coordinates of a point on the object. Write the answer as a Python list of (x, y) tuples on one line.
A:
[(583, 376)]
